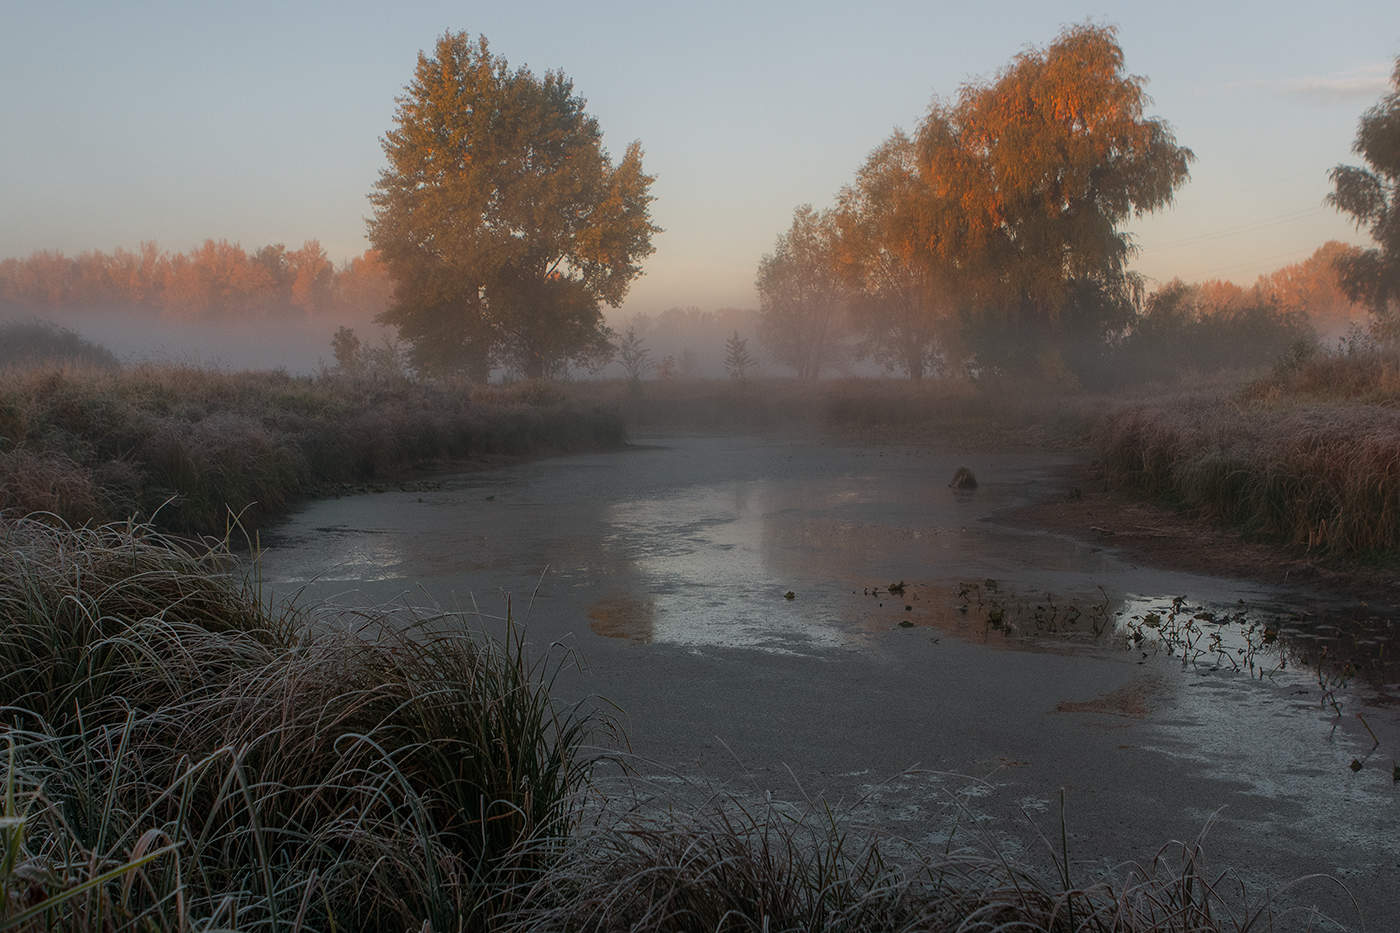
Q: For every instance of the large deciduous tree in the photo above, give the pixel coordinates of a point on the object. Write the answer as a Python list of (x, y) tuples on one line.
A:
[(903, 297), (502, 219), (1372, 197), (1033, 174), (802, 300)]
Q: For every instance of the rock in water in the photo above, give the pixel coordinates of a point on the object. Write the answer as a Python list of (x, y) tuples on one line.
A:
[(963, 479)]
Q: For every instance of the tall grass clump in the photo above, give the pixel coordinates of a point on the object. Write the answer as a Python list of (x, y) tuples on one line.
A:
[(178, 756), (189, 446)]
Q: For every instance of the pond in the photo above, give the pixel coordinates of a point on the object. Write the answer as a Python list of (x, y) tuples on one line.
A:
[(801, 620)]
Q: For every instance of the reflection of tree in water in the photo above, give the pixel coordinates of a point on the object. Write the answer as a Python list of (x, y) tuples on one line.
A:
[(623, 615), (990, 612)]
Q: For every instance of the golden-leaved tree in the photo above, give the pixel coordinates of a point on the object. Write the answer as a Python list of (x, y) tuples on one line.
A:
[(903, 297), (502, 219), (1029, 178), (803, 302)]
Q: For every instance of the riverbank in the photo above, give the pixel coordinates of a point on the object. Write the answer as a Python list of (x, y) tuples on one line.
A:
[(196, 450), (1084, 504), (1292, 478)]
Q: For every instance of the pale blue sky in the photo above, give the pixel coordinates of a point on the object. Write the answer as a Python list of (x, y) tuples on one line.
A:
[(260, 122)]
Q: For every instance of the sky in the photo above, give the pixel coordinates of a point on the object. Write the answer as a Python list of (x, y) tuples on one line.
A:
[(261, 122)]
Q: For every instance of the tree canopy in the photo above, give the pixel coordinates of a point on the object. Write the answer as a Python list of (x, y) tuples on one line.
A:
[(503, 220), (1032, 175), (802, 301), (902, 296), (994, 235), (1372, 197)]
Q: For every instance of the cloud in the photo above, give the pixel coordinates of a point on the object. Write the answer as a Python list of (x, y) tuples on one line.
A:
[(1366, 82)]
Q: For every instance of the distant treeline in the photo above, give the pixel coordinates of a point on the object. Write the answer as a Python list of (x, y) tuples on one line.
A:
[(216, 280)]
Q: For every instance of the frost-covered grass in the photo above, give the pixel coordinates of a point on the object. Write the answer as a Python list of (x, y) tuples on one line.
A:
[(194, 446), (1308, 456)]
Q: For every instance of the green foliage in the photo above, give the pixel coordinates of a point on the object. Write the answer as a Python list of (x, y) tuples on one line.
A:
[(504, 222), (1372, 197)]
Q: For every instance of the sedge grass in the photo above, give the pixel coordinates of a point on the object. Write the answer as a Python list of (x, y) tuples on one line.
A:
[(284, 768)]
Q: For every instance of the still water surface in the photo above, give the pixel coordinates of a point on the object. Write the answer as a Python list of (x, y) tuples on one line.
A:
[(1010, 664)]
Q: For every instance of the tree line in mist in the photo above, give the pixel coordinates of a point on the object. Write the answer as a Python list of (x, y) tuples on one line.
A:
[(991, 240), (215, 280)]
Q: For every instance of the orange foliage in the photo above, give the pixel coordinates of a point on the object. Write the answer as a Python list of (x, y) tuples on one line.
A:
[(1314, 288), (217, 279)]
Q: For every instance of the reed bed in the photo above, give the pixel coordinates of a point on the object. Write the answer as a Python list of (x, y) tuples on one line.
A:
[(192, 447), (174, 755)]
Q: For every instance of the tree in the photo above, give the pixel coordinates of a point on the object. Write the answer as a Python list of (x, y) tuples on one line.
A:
[(802, 302), (1372, 197), (737, 359), (902, 296), (502, 219), (312, 277), (345, 344), (1314, 288), (1029, 178), (634, 357)]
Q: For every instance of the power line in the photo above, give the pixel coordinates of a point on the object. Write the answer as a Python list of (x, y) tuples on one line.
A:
[(1244, 265), (1291, 217)]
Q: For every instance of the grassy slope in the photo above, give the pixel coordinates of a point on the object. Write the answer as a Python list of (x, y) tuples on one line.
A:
[(1308, 457)]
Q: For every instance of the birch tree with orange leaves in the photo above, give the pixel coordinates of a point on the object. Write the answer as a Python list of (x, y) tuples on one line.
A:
[(903, 297), (1030, 177)]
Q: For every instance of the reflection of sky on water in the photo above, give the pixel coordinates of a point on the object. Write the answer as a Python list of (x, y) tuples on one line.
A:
[(701, 558), (353, 555), (693, 543)]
